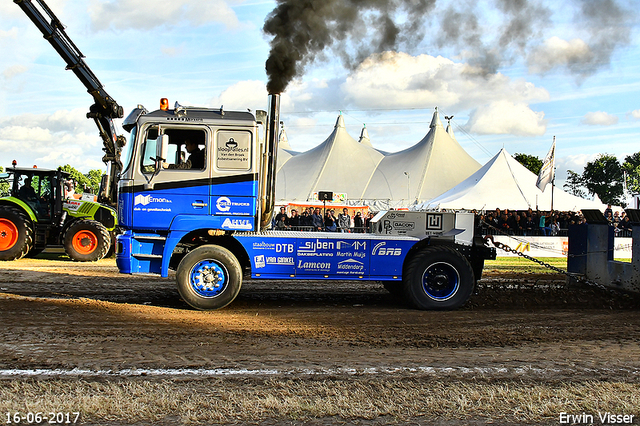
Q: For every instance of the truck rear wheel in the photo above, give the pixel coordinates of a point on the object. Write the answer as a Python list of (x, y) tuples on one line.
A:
[(86, 241), (16, 233), (438, 277), (209, 277)]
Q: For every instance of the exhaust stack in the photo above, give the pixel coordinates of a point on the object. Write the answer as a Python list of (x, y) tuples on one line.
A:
[(269, 161)]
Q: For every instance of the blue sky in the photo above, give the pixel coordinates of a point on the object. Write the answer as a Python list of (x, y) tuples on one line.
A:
[(567, 75)]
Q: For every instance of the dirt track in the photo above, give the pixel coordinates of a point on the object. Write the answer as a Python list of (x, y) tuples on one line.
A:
[(62, 315)]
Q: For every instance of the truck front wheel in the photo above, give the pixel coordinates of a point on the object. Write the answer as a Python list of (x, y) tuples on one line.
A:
[(16, 234), (438, 277), (86, 241), (209, 277)]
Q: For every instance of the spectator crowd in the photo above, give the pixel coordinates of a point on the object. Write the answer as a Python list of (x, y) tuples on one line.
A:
[(501, 221), (545, 223), (313, 219)]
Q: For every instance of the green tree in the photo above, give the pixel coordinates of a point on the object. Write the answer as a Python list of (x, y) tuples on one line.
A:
[(603, 176), (631, 165), (574, 184), (4, 185), (89, 180), (531, 162)]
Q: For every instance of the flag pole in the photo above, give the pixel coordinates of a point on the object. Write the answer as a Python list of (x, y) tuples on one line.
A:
[(553, 177)]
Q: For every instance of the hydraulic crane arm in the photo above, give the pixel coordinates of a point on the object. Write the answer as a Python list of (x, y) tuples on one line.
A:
[(105, 108)]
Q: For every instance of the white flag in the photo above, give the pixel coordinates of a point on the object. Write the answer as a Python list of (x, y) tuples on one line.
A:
[(547, 172)]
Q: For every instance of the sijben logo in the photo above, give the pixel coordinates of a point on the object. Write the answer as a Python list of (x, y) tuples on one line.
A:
[(147, 199), (223, 204)]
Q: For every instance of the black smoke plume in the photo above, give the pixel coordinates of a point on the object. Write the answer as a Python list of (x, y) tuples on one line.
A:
[(352, 30)]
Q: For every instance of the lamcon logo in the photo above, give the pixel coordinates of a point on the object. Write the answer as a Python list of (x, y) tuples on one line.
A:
[(146, 199)]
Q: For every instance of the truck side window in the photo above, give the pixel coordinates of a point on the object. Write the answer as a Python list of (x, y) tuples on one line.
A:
[(187, 149), (148, 164)]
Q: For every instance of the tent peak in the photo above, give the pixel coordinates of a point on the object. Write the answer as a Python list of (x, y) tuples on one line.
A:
[(364, 136), (340, 121), (435, 121)]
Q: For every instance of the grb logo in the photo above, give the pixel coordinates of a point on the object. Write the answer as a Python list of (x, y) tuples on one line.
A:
[(223, 204), (380, 250), (142, 199)]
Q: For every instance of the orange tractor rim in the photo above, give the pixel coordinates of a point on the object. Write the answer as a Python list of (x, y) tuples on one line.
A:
[(85, 242), (8, 234)]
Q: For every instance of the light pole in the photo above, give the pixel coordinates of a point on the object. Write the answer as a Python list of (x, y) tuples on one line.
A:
[(408, 187)]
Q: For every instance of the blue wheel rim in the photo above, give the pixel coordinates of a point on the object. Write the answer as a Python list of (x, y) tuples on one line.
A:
[(208, 278), (440, 281)]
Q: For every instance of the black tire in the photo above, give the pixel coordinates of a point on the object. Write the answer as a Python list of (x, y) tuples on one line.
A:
[(438, 278), (197, 276), (86, 240), (16, 233), (395, 288)]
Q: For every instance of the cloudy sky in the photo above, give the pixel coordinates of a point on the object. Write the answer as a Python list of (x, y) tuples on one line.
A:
[(513, 73)]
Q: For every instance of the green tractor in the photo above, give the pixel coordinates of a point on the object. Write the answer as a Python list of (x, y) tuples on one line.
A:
[(36, 213)]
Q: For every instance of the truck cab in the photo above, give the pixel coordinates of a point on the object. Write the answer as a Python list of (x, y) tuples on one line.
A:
[(186, 169)]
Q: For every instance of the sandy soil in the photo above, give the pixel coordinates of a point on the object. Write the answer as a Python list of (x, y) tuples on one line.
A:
[(87, 320)]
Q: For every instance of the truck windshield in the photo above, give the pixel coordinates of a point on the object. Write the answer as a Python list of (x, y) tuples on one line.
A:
[(128, 149)]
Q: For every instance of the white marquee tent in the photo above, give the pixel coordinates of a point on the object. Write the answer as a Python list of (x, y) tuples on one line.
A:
[(505, 183), (340, 164), (423, 171)]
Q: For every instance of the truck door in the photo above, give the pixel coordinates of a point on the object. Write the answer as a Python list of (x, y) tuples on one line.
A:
[(180, 186), (234, 182)]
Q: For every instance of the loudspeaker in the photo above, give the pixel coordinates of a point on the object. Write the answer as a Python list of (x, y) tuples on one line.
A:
[(325, 196)]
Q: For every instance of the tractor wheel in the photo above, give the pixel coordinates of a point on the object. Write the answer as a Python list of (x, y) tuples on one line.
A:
[(86, 240), (209, 277), (438, 277), (112, 248), (16, 233)]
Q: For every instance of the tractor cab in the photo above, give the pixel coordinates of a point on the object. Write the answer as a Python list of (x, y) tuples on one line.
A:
[(40, 189)]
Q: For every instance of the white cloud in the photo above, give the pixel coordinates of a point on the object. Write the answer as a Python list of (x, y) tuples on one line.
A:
[(505, 117), (635, 114), (399, 80), (556, 52), (245, 94), (13, 71), (599, 118), (148, 14), (51, 140)]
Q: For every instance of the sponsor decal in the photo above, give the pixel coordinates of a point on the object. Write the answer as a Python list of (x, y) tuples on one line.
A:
[(351, 249), (148, 199), (314, 266), (263, 245), (223, 204), (351, 265), (242, 224), (380, 250), (314, 248), (434, 222), (259, 261), (274, 260), (404, 226)]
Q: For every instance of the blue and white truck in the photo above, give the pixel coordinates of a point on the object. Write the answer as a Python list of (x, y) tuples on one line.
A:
[(210, 222), (195, 194)]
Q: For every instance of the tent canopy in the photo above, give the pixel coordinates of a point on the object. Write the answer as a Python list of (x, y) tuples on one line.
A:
[(505, 183)]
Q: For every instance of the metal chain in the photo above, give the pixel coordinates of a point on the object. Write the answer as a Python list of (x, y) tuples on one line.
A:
[(576, 277)]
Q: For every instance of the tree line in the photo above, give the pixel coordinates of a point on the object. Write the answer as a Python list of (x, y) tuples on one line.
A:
[(604, 176)]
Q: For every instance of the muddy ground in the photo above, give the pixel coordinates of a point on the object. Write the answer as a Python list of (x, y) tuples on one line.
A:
[(67, 321)]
